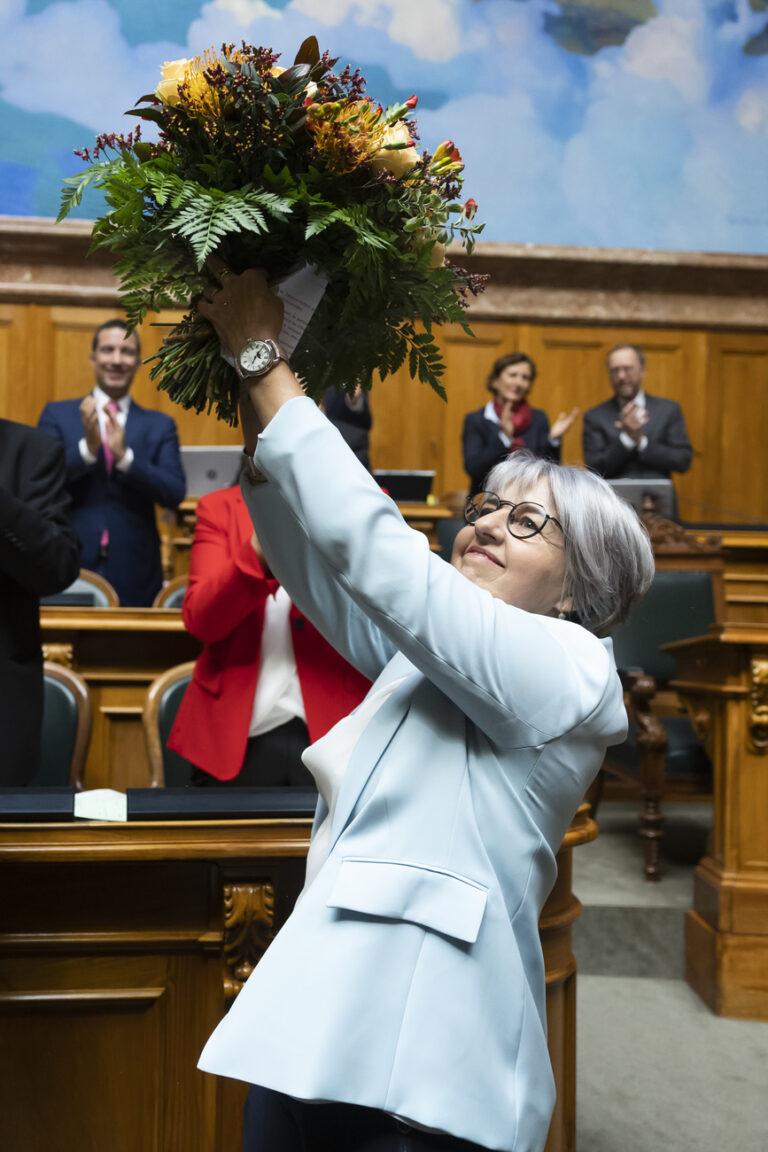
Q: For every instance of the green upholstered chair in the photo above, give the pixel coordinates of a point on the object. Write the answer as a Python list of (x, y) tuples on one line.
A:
[(662, 748), (171, 595), (89, 590), (447, 531), (164, 695), (66, 729)]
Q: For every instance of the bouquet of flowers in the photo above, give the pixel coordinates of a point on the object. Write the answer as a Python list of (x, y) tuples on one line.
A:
[(283, 169)]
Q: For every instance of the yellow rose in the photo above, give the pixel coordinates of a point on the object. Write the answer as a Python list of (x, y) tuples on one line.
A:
[(396, 161), (427, 236), (437, 255), (174, 72)]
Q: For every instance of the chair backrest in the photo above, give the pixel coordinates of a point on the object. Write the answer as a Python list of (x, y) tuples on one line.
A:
[(447, 531), (89, 590), (164, 695), (678, 604), (66, 730), (171, 595)]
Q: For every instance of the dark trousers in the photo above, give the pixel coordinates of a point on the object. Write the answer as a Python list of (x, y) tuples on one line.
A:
[(271, 761), (273, 1122)]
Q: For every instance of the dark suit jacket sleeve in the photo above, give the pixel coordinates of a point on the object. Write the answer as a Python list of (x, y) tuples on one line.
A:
[(603, 450), (669, 450), (157, 474), (38, 545), (226, 580), (51, 424), (672, 450), (481, 444)]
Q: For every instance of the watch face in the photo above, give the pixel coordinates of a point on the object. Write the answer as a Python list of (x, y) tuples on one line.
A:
[(256, 357)]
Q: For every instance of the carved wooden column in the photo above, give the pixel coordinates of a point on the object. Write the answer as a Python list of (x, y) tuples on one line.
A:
[(723, 679), (557, 917)]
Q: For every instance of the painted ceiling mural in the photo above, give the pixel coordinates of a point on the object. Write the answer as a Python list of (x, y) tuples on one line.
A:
[(627, 123)]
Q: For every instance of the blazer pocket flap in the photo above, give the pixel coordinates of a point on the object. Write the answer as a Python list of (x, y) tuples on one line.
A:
[(442, 901)]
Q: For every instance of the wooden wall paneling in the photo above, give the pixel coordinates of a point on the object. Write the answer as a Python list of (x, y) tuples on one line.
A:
[(10, 386), (468, 360), (570, 365), (18, 400), (407, 424), (738, 379), (56, 347)]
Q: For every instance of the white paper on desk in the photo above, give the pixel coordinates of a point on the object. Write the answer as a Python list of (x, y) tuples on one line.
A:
[(301, 293), (101, 804)]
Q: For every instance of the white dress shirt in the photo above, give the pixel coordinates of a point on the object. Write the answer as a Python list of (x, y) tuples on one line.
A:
[(278, 696), (123, 407)]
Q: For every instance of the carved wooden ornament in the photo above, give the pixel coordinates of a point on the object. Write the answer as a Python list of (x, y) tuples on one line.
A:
[(59, 654), (249, 921), (758, 706)]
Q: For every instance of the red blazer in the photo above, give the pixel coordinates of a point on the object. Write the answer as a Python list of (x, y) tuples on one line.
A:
[(224, 607)]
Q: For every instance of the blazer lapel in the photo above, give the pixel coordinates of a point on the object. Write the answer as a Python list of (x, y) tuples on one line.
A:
[(374, 740), (133, 421), (652, 408)]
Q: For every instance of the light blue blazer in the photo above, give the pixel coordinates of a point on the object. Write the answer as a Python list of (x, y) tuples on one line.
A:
[(410, 976)]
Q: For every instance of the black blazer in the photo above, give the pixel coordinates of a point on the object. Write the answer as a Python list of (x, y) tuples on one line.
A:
[(669, 449), (39, 555), (483, 447)]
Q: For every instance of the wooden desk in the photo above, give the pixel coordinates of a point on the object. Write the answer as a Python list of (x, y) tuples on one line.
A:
[(119, 652), (119, 946), (723, 681), (746, 575)]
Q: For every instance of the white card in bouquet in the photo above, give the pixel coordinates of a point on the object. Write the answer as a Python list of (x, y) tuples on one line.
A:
[(301, 293)]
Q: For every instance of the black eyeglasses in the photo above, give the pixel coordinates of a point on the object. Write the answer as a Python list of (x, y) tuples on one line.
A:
[(525, 519)]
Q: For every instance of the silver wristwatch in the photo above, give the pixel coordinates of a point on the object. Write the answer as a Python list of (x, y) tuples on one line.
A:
[(256, 358)]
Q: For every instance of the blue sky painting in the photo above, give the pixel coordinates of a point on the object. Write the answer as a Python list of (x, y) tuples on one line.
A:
[(622, 123)]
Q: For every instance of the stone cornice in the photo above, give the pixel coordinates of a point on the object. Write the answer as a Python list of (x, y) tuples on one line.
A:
[(46, 263)]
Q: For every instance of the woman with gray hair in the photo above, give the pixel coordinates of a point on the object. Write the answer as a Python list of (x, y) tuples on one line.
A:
[(401, 1008)]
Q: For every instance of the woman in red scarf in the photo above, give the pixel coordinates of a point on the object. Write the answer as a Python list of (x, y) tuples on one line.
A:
[(508, 422)]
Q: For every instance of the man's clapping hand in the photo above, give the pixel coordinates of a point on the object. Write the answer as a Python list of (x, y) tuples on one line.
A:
[(632, 420), (90, 417)]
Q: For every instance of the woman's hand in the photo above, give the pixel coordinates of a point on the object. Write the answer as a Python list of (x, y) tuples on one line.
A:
[(507, 419), (562, 424), (244, 307)]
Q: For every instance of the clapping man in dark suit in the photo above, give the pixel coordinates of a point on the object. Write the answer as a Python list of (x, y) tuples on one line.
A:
[(39, 555), (122, 460), (634, 434)]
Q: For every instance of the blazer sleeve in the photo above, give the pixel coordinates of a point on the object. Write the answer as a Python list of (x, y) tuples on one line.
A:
[(226, 580), (482, 447), (157, 471), (671, 451), (52, 423), (603, 450), (38, 545), (522, 678)]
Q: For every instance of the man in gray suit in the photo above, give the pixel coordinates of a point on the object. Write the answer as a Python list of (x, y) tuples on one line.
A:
[(634, 434)]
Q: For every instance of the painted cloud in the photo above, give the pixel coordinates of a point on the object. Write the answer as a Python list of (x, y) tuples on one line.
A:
[(634, 124)]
